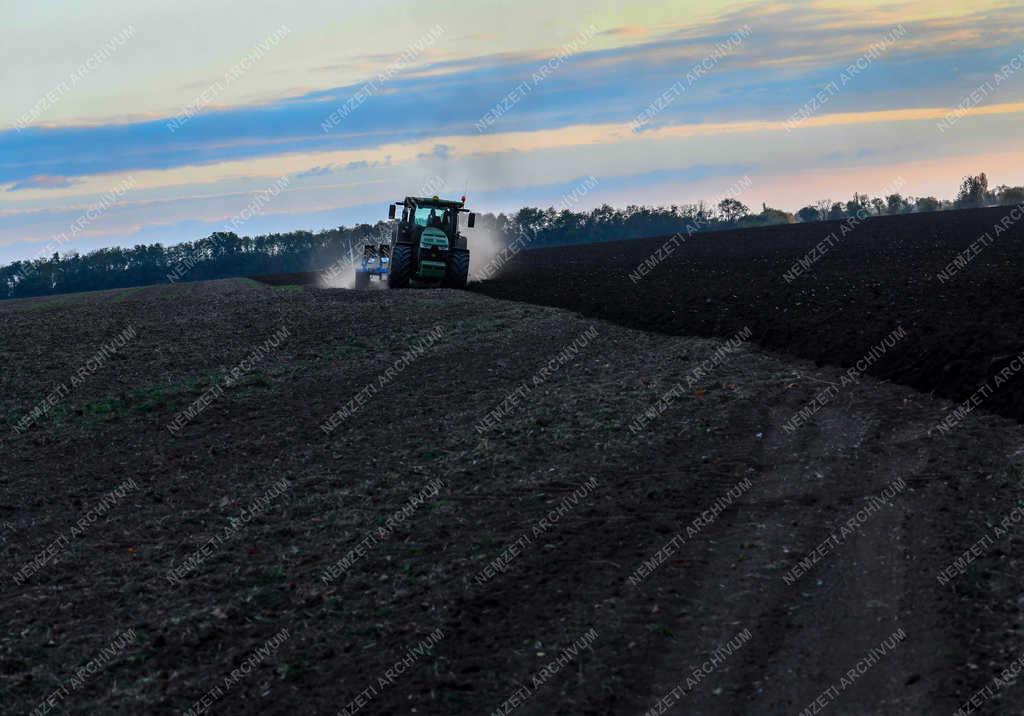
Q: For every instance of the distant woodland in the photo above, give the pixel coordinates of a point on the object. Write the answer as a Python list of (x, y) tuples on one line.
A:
[(226, 254)]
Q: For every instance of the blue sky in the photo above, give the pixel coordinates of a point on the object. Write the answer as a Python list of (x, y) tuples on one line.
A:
[(198, 107)]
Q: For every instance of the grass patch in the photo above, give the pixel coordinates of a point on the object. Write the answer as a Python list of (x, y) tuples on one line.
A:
[(355, 346), (126, 293), (147, 400), (431, 454), (272, 575), (660, 629), (482, 325), (47, 304), (13, 417)]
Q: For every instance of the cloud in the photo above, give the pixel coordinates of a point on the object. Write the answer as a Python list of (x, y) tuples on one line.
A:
[(789, 57), (440, 151), (627, 31), (316, 172), (43, 181), (334, 168)]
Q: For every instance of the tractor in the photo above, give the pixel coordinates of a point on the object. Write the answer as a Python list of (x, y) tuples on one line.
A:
[(426, 246)]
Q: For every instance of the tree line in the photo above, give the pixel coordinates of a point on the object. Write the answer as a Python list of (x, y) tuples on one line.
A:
[(974, 193), (228, 255)]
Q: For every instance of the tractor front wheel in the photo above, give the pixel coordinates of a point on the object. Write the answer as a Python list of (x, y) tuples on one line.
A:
[(400, 272), (458, 269)]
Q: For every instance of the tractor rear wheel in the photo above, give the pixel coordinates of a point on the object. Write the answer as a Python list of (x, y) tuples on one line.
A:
[(400, 272), (458, 269), (362, 281)]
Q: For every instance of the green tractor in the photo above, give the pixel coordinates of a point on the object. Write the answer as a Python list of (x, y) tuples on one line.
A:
[(426, 246)]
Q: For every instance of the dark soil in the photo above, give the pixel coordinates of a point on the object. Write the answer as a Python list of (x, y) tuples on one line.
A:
[(567, 433), (883, 275), (304, 278)]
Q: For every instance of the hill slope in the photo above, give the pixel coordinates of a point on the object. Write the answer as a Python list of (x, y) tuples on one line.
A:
[(826, 292), (630, 503)]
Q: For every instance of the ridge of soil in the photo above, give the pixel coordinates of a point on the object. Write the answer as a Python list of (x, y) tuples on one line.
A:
[(859, 287)]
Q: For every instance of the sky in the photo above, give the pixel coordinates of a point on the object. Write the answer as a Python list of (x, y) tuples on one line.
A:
[(131, 122)]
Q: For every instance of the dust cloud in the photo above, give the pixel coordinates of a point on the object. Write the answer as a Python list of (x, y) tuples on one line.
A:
[(340, 274), (485, 245)]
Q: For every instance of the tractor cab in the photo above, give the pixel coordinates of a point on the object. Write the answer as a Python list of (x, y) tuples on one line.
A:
[(419, 213), (433, 217)]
